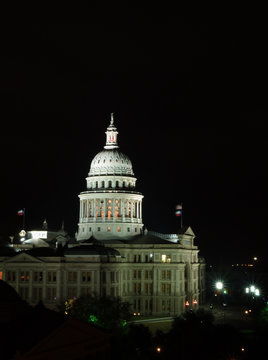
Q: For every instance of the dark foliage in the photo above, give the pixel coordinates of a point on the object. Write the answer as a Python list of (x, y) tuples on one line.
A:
[(105, 312)]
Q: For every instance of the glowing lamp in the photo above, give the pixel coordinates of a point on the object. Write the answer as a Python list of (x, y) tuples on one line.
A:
[(219, 285), (257, 292)]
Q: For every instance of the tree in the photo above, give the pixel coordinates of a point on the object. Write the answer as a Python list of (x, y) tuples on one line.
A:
[(106, 312)]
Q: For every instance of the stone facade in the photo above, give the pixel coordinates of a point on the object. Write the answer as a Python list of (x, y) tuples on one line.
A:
[(113, 254)]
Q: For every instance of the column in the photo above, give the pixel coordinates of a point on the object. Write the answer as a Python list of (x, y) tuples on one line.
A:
[(123, 207), (104, 211), (80, 210), (131, 210), (58, 288), (94, 209), (113, 209)]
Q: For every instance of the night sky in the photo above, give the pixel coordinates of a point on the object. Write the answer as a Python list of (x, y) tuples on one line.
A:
[(189, 97)]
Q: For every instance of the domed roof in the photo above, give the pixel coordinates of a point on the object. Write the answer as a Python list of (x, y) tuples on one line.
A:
[(111, 162)]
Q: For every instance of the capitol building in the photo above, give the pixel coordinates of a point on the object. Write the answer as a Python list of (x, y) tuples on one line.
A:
[(113, 254)]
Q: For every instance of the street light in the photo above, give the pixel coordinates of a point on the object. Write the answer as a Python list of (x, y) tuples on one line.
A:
[(219, 285)]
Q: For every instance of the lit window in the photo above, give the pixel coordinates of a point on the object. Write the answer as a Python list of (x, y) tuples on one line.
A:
[(1, 275), (166, 258), (118, 229), (109, 228)]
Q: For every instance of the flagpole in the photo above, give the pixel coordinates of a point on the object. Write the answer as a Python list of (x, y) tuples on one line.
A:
[(23, 220), (181, 215)]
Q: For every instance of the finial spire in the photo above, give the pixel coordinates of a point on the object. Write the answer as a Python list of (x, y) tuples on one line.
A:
[(111, 135)]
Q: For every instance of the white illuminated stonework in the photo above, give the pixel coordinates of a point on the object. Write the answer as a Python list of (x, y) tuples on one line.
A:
[(110, 208)]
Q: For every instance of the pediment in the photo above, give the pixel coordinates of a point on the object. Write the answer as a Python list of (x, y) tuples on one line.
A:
[(24, 258), (189, 232)]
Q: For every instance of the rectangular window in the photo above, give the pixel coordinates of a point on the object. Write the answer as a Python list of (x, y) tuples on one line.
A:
[(51, 276), (146, 305), (38, 276), (1, 275), (163, 289), (147, 258), (163, 275), (24, 276), (146, 288), (146, 274), (168, 274), (86, 276), (168, 289), (112, 276), (72, 276), (139, 274), (11, 276), (165, 258), (134, 274), (86, 291)]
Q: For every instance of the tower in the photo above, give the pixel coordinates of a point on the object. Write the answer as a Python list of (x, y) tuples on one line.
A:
[(110, 208)]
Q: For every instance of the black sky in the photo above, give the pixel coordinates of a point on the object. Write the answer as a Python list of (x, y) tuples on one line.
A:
[(190, 102)]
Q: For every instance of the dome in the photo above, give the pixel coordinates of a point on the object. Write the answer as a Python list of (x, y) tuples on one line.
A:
[(111, 162)]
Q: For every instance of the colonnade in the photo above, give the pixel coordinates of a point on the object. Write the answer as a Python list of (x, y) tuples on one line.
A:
[(110, 209)]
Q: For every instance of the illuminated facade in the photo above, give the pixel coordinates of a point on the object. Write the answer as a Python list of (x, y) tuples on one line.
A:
[(110, 208), (112, 255)]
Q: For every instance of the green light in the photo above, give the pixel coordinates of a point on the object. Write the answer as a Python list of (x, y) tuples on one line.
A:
[(124, 323), (93, 318)]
